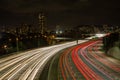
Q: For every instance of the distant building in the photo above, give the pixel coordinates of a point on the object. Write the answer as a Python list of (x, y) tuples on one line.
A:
[(42, 23), (23, 29)]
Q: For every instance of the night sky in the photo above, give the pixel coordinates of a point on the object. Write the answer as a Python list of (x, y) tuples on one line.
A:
[(60, 12)]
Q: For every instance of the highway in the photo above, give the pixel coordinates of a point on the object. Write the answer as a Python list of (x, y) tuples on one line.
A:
[(29, 65), (87, 62)]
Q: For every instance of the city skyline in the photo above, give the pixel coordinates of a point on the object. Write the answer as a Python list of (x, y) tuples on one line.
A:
[(63, 12)]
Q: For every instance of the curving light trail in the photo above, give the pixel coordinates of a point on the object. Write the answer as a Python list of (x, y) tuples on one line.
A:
[(27, 65), (87, 62)]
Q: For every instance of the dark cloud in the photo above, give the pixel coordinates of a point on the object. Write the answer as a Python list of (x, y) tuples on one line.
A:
[(24, 6), (69, 12)]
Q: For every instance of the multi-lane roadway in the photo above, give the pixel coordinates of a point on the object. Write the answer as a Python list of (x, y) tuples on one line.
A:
[(28, 65), (87, 61)]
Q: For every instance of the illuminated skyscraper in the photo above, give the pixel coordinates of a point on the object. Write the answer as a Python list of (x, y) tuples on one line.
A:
[(41, 22)]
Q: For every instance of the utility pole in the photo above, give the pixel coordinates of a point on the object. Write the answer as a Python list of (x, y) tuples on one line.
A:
[(77, 32)]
